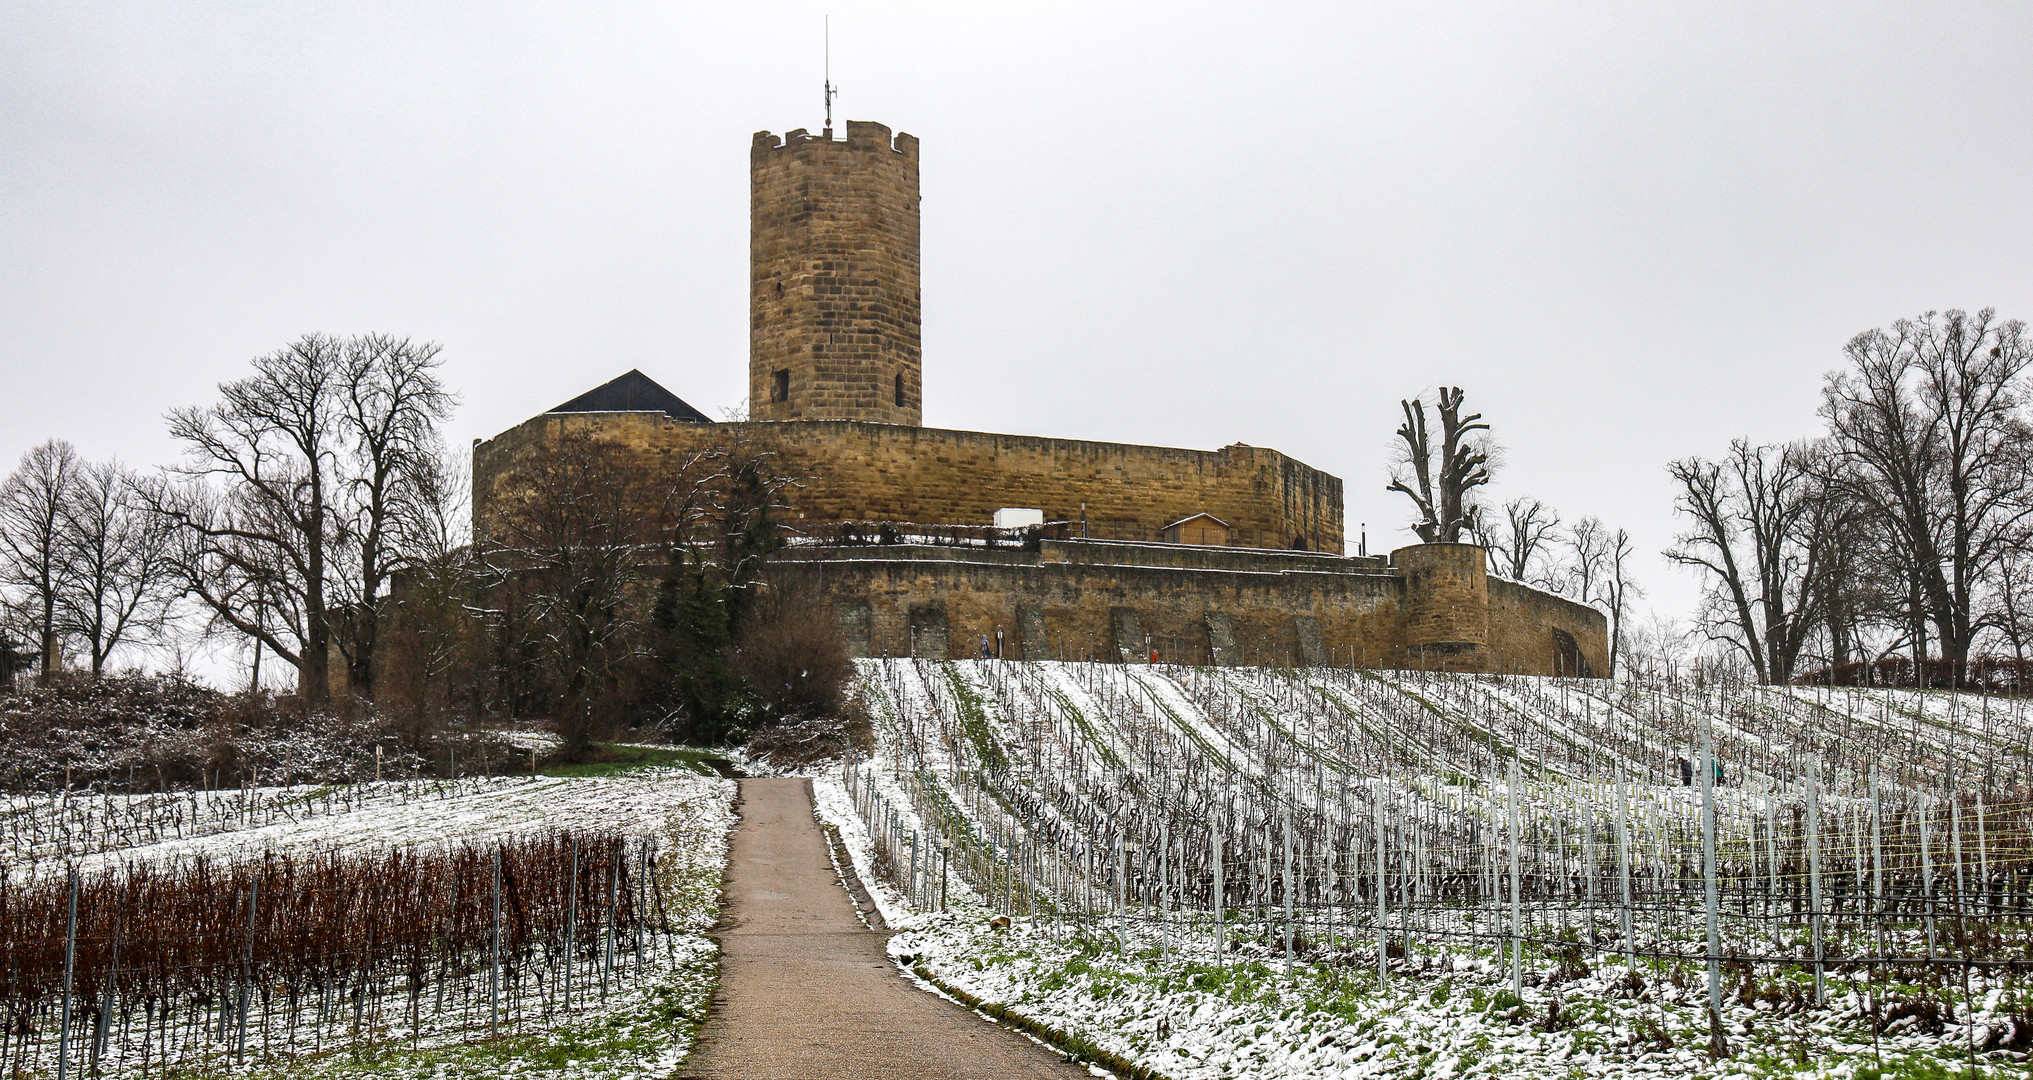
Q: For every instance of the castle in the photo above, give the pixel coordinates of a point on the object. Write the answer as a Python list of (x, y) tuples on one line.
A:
[(940, 543)]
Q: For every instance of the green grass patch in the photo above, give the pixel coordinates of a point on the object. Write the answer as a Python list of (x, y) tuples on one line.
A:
[(973, 714), (1087, 731)]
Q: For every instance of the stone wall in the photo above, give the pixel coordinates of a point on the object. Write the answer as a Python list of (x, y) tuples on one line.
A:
[(833, 276), (889, 598), (887, 472), (1447, 609), (1428, 606), (1527, 628), (1070, 601)]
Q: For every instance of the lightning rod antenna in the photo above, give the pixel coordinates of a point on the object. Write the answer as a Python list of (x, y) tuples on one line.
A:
[(830, 91)]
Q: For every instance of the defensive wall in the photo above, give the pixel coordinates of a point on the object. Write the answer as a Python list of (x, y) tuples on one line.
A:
[(835, 393), (1430, 606), (1115, 594), (859, 471)]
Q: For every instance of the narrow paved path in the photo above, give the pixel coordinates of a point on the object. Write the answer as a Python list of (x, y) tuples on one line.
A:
[(806, 991)]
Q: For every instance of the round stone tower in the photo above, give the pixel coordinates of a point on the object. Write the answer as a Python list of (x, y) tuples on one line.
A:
[(833, 277), (1446, 605)]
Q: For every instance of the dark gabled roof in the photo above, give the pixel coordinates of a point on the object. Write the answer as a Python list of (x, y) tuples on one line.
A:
[(634, 392)]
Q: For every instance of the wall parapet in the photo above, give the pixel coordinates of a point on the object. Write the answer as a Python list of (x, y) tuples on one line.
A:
[(861, 135), (868, 471), (1422, 610)]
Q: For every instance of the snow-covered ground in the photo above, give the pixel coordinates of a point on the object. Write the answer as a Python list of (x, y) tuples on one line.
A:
[(1055, 776), (641, 1027), (96, 832), (1172, 1010)]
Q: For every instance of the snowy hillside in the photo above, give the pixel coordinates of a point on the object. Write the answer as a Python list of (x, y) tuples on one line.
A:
[(1371, 873)]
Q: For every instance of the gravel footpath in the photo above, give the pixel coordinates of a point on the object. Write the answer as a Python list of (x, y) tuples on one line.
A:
[(807, 991)]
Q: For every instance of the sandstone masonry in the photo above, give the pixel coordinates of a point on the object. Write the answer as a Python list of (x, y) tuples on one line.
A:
[(835, 376), (1117, 602), (887, 472), (833, 277)]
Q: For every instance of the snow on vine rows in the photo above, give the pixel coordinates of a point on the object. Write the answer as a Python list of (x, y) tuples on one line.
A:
[(420, 1017), (91, 831), (1468, 855)]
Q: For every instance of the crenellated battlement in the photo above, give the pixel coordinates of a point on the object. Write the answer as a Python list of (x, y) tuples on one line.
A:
[(836, 397), (862, 135), (833, 277)]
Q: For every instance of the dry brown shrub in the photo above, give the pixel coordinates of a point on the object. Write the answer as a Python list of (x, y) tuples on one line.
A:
[(807, 742), (792, 660), (149, 732)]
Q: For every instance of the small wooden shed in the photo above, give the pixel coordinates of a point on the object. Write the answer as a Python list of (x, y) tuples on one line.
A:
[(1203, 529)]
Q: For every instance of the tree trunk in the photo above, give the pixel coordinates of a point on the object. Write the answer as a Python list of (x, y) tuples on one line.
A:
[(314, 667), (48, 641)]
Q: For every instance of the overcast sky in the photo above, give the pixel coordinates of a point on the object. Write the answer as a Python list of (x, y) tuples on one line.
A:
[(1631, 231)]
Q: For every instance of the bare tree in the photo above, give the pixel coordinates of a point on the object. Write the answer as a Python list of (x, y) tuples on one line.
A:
[(391, 402), (33, 502), (1850, 559), (732, 513), (1617, 591), (1752, 539), (241, 584), (728, 520), (1439, 480), (1521, 541), (1658, 648), (1585, 560), (302, 483), (1588, 563), (118, 565), (256, 518), (620, 586), (1927, 419), (568, 551), (433, 648), (2014, 598)]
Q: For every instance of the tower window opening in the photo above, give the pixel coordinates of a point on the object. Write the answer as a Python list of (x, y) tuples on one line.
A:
[(900, 389), (780, 385)]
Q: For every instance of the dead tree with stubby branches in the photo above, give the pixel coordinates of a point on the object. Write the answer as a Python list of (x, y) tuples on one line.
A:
[(1439, 481)]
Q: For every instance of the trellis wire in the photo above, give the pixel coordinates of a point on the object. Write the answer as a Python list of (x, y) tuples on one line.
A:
[(1403, 815), (177, 965)]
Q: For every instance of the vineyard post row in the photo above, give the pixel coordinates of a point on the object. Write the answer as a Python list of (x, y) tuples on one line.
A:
[(1048, 811), (174, 965)]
